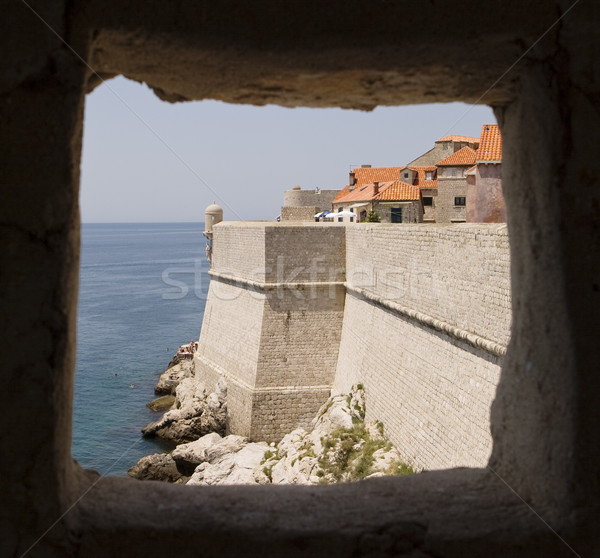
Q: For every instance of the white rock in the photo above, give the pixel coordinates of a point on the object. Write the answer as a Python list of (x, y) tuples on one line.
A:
[(196, 452)]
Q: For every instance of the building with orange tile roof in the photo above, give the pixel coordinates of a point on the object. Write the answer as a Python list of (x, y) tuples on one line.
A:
[(440, 177), (394, 201)]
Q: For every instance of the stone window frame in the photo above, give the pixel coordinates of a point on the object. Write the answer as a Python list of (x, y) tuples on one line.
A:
[(540, 445)]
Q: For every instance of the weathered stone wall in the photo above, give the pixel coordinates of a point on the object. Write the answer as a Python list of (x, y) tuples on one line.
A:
[(279, 358), (301, 213), (412, 212), (413, 293), (430, 211), (426, 318), (448, 188), (321, 198), (457, 273)]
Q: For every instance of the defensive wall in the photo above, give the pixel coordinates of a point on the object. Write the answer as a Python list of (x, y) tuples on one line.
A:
[(272, 322), (426, 324), (419, 314)]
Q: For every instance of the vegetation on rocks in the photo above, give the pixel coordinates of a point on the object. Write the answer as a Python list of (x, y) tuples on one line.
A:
[(340, 446)]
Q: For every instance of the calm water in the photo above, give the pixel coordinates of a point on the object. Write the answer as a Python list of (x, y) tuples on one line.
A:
[(142, 294)]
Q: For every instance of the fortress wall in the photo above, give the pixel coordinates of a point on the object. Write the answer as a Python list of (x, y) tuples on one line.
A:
[(275, 342), (459, 274), (301, 332), (239, 249), (431, 390), (306, 251), (432, 393), (298, 198)]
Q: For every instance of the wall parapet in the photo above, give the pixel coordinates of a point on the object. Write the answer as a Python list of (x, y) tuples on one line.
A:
[(462, 335), (272, 286)]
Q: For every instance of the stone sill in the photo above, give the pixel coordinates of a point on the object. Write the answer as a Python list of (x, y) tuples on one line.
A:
[(453, 513)]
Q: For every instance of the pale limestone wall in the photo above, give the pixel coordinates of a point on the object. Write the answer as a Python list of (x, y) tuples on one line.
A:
[(302, 213), (431, 390), (457, 273), (321, 198), (422, 321), (240, 249), (305, 252), (274, 335)]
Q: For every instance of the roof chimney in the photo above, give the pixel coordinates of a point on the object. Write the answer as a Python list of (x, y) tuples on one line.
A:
[(375, 188), (352, 180), (365, 166)]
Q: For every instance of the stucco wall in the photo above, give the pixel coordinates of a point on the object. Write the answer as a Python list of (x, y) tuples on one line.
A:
[(431, 390), (485, 201)]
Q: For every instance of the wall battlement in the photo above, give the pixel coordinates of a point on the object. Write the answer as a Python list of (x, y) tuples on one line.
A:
[(420, 314)]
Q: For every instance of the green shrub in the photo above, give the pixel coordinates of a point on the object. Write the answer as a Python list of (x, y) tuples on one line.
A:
[(373, 217)]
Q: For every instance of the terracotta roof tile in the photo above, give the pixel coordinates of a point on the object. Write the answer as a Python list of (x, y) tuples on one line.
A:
[(490, 148), (398, 190), (464, 156), (364, 193), (368, 175), (421, 178), (468, 139)]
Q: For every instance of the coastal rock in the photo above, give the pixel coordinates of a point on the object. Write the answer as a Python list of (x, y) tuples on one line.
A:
[(341, 447), (231, 468), (196, 413), (161, 403), (174, 375), (159, 467)]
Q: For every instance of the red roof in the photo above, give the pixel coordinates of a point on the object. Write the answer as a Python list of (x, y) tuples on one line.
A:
[(490, 148), (420, 180), (391, 190), (468, 139), (364, 193), (464, 156), (398, 190), (368, 175)]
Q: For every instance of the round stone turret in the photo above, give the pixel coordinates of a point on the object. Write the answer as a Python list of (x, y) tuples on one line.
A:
[(213, 215)]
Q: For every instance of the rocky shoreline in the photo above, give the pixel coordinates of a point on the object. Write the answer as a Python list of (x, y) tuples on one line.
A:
[(339, 447)]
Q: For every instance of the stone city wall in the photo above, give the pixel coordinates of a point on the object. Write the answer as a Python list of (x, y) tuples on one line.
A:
[(319, 198), (303, 213), (420, 314), (273, 332), (426, 322)]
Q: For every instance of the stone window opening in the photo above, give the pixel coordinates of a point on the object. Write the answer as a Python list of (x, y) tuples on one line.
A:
[(545, 415)]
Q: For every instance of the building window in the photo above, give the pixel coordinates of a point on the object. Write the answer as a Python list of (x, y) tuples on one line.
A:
[(428, 175), (396, 215), (428, 201), (460, 200), (340, 219), (405, 175)]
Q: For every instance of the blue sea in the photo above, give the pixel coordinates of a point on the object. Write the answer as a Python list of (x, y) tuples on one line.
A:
[(142, 294)]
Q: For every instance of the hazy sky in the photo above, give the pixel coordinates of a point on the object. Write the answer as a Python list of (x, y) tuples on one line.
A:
[(145, 160)]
